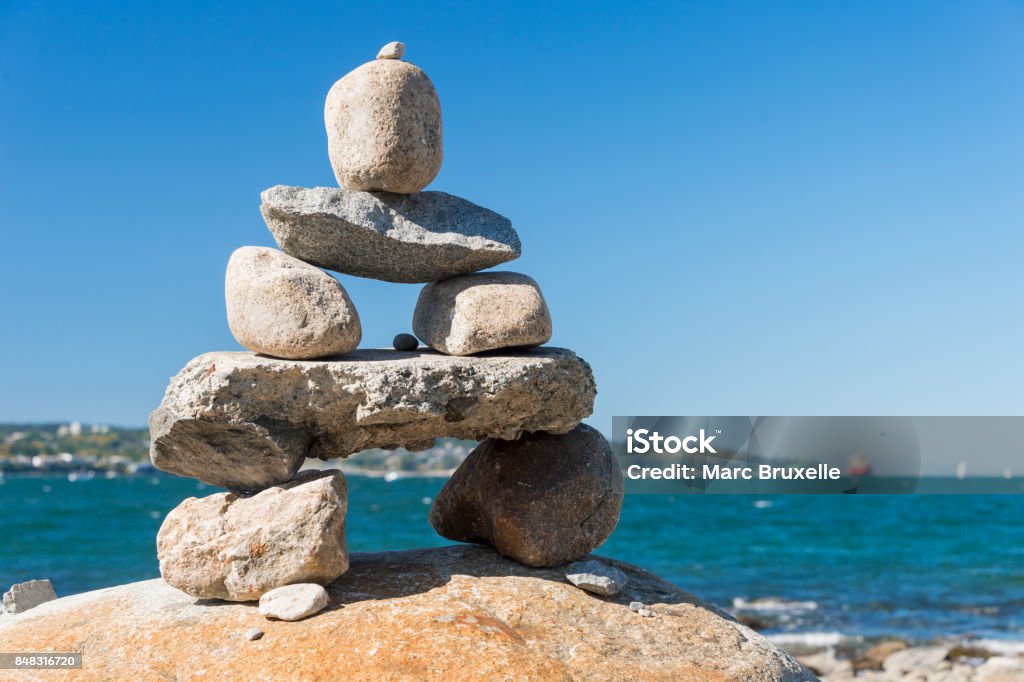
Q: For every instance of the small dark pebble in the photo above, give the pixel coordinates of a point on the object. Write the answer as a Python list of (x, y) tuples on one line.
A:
[(405, 342)]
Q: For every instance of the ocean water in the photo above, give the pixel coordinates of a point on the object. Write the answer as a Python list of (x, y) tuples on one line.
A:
[(811, 569)]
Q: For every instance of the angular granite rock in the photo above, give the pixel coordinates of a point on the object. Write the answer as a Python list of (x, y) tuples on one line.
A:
[(27, 595), (596, 576), (384, 127), (542, 500), (393, 50), (481, 312), (449, 613), (294, 602), (392, 237), (225, 546), (281, 306), (245, 422)]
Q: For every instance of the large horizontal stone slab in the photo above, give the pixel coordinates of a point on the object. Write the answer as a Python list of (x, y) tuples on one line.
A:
[(423, 237), (246, 422)]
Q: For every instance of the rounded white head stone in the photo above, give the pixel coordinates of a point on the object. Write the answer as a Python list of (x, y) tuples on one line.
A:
[(393, 50)]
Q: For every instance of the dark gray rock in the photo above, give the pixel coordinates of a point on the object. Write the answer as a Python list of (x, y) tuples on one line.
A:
[(542, 500), (421, 237), (405, 342)]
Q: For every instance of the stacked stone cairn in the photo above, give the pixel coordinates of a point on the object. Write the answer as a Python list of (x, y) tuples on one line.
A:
[(541, 488)]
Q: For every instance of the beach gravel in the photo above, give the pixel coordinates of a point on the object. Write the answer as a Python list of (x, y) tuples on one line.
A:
[(915, 658)]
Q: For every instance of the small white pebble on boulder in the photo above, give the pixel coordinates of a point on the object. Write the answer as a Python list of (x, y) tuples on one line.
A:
[(597, 577), (636, 605), (293, 602), (24, 596), (393, 50), (253, 634), (646, 613)]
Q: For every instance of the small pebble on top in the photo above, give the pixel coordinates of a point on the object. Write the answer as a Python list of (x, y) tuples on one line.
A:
[(393, 50)]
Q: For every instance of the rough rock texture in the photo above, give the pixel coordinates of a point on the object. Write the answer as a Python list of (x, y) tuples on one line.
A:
[(596, 576), (245, 422), (481, 312), (294, 602), (543, 500), (283, 307), (1001, 669), (915, 658), (392, 237), (384, 128), (873, 658), (27, 595), (229, 547), (452, 613)]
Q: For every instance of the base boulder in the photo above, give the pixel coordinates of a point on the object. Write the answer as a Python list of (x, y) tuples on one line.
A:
[(451, 613)]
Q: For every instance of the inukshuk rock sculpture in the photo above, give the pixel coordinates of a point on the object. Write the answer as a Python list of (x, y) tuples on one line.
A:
[(541, 488)]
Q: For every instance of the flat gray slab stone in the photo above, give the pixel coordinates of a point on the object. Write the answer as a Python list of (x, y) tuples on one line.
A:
[(246, 422), (422, 237)]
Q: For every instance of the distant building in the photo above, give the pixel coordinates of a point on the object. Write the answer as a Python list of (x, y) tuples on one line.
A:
[(74, 430)]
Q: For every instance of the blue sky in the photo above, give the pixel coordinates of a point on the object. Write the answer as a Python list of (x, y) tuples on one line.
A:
[(732, 208)]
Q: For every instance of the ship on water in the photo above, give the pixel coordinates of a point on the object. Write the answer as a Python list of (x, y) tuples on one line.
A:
[(858, 466)]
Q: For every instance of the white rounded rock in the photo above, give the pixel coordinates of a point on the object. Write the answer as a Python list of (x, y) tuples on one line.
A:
[(280, 306), (393, 50), (294, 602), (384, 127), (481, 312)]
